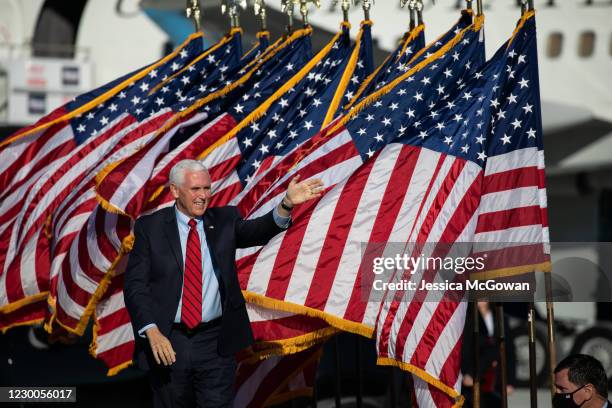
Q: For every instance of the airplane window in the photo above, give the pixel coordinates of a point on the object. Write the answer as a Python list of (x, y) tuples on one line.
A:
[(555, 44), (586, 44)]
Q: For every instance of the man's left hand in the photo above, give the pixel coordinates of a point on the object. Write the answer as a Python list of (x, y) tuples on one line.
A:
[(299, 192)]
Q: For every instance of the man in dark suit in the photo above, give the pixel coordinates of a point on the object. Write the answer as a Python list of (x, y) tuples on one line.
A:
[(182, 290), (581, 381)]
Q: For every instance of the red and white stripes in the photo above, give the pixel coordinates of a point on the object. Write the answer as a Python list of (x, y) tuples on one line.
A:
[(512, 219)]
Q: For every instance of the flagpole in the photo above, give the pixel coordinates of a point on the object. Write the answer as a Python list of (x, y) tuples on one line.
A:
[(192, 11), (304, 12), (476, 351), (231, 7), (287, 8), (419, 11), (503, 364), (367, 4), (346, 5), (411, 6), (392, 389), (550, 323), (260, 11), (304, 9), (359, 396), (533, 387), (338, 393)]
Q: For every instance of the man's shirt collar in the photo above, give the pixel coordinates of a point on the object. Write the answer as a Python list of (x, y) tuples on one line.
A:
[(183, 219)]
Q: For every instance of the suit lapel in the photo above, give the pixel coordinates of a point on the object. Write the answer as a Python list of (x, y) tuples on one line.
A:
[(172, 235)]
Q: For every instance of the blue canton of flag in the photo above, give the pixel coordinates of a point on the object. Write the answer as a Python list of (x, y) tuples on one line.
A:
[(409, 53), (515, 106), (406, 108), (258, 49), (514, 203), (417, 43), (271, 76), (491, 112), (398, 62), (388, 66), (219, 70), (206, 74), (267, 79), (129, 99), (298, 113)]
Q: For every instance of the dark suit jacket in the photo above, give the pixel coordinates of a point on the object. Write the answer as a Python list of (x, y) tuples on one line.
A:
[(154, 274)]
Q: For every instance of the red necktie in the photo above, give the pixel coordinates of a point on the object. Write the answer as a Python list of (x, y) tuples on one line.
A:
[(191, 311)]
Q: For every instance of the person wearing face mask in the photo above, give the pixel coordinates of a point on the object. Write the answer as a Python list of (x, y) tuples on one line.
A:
[(182, 291), (581, 381)]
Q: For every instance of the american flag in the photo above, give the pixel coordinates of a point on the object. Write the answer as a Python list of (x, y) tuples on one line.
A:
[(427, 180), (41, 163), (257, 49), (503, 102), (385, 149), (365, 66), (279, 335), (409, 52)]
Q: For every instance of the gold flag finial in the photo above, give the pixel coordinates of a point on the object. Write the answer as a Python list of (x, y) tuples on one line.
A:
[(367, 5), (345, 5), (304, 8), (192, 10), (416, 8), (259, 8), (287, 7), (232, 7), (411, 9)]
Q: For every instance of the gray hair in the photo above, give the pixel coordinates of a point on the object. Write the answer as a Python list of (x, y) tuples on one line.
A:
[(177, 174)]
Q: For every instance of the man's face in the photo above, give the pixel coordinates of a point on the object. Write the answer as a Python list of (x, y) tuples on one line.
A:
[(564, 386), (193, 195)]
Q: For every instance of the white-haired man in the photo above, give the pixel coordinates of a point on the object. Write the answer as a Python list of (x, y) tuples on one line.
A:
[(182, 290)]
